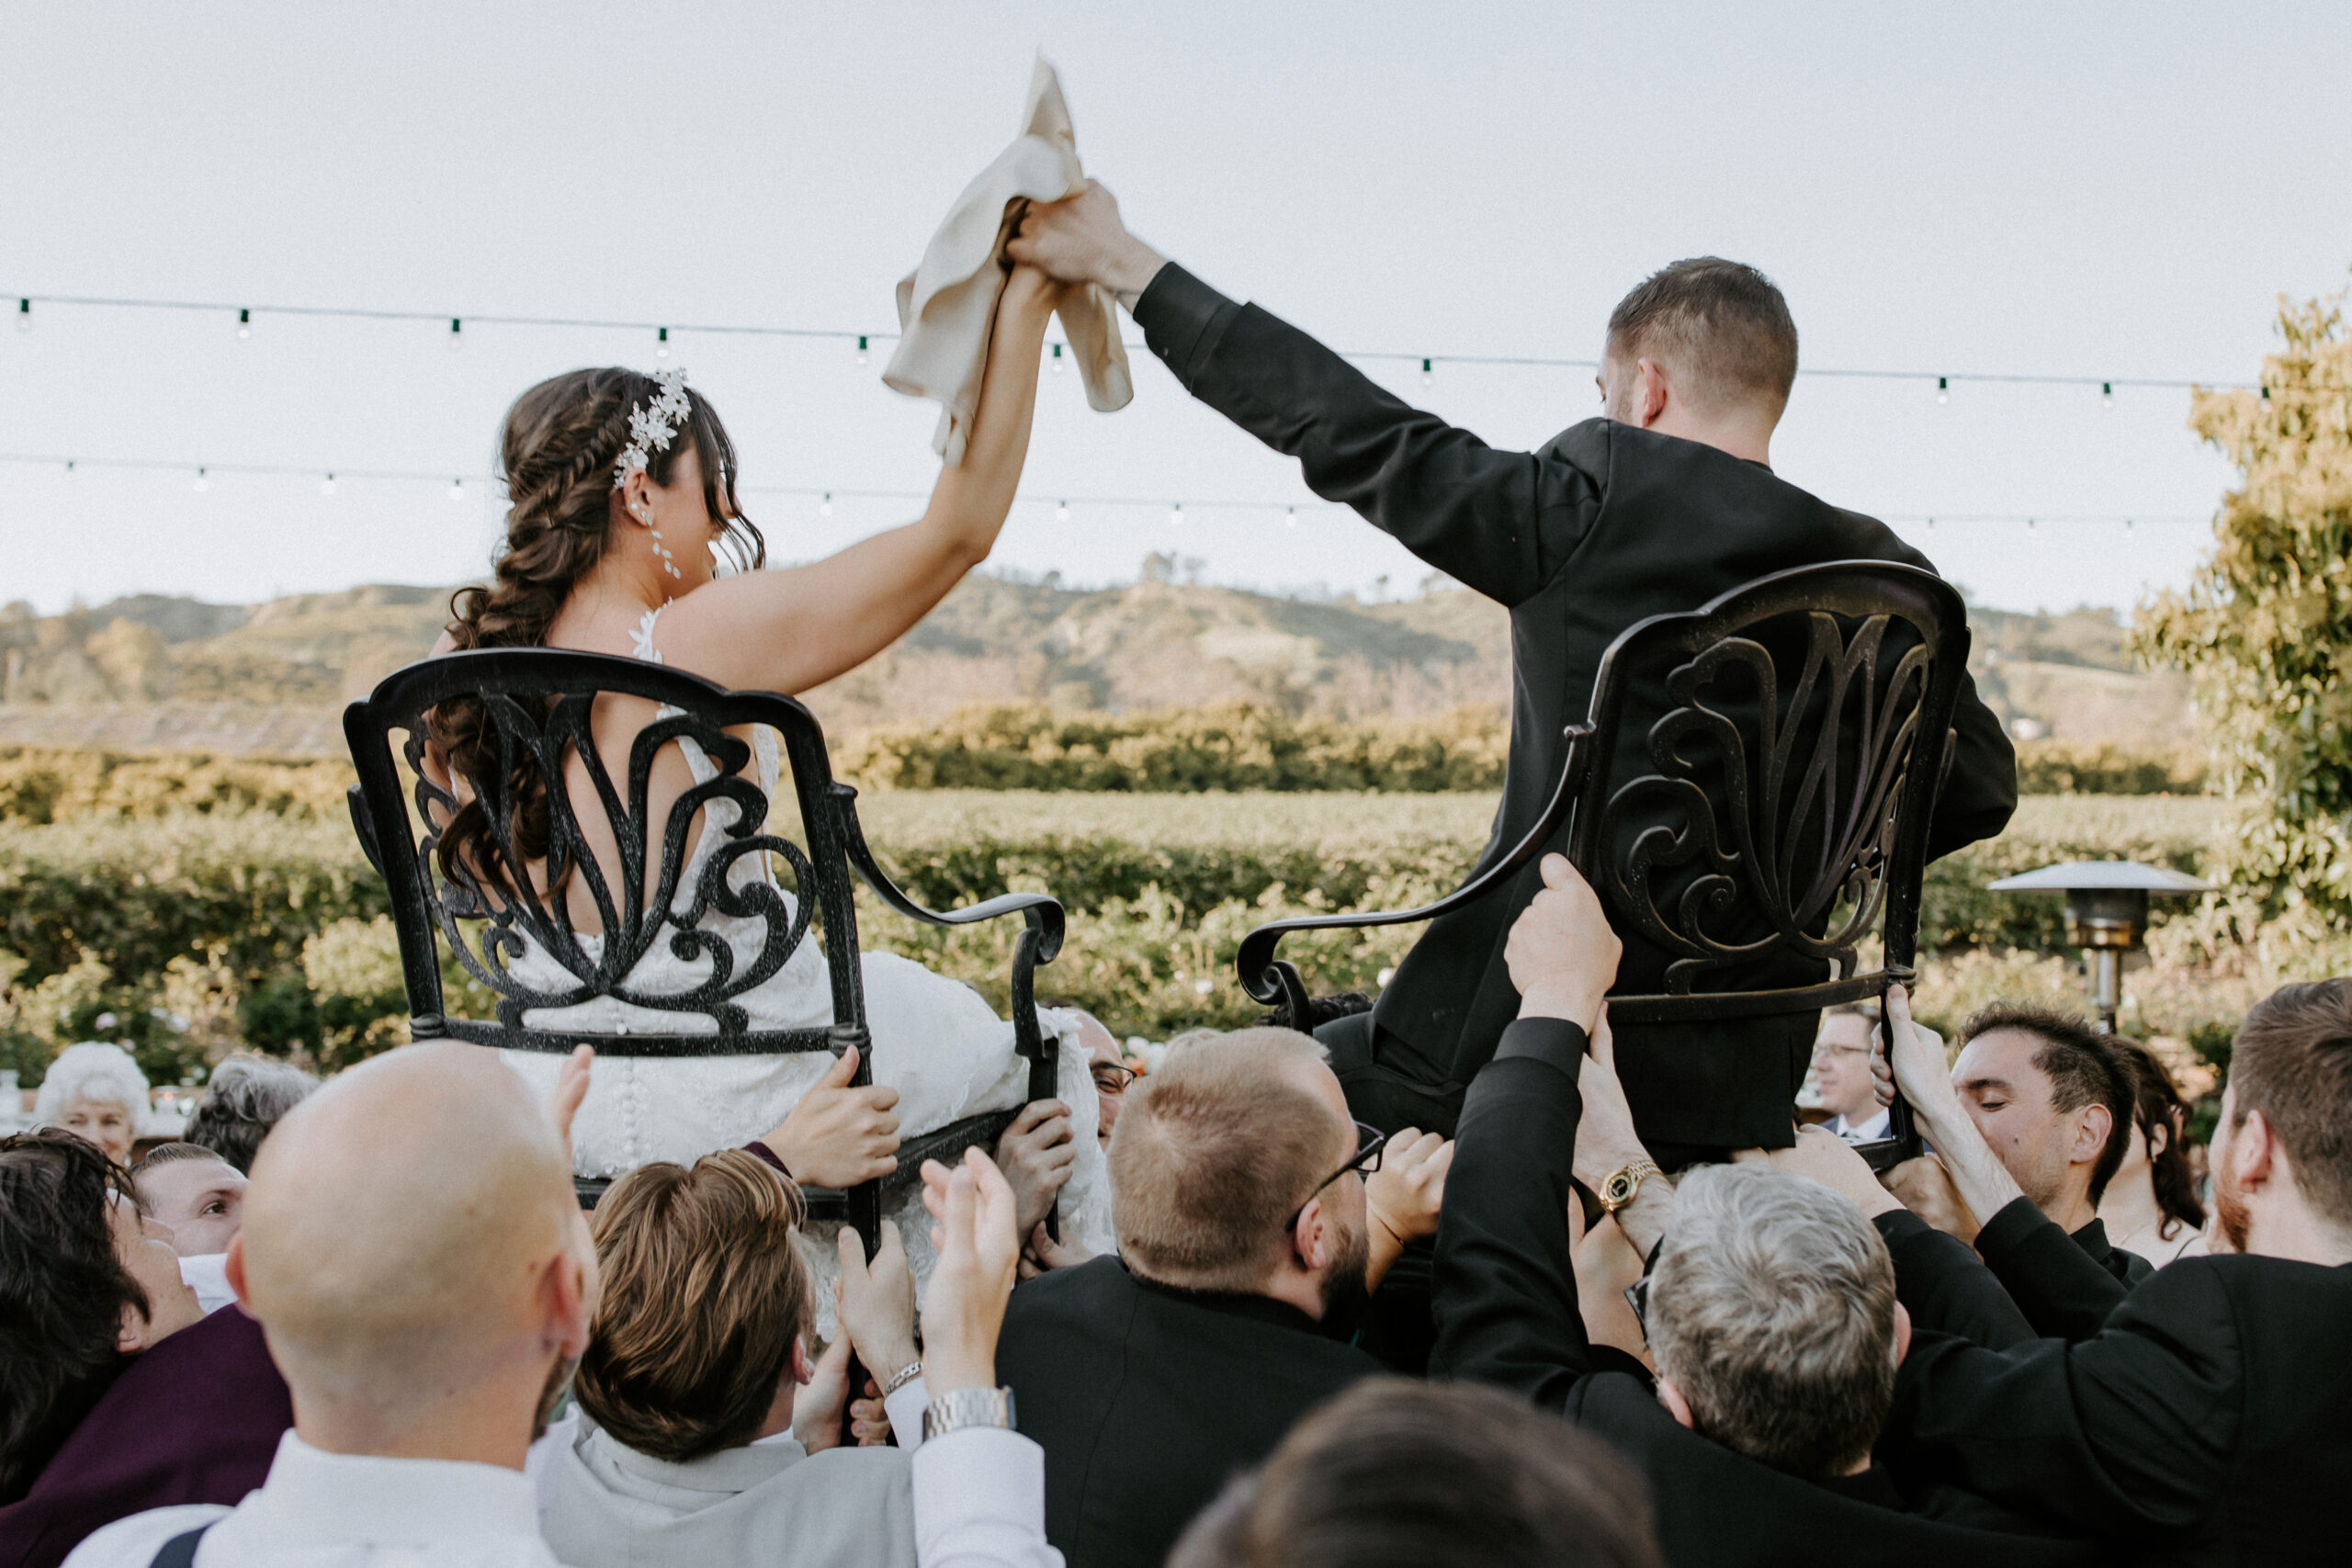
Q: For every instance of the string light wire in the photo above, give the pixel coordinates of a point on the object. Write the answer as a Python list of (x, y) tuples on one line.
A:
[(2105, 384), (329, 479)]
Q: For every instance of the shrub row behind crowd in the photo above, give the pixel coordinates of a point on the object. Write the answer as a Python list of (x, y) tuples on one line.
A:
[(187, 934), (1232, 748)]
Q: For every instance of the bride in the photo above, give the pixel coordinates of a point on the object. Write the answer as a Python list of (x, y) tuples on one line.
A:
[(624, 495)]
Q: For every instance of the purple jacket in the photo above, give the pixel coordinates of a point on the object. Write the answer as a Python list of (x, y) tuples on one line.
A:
[(196, 1419)]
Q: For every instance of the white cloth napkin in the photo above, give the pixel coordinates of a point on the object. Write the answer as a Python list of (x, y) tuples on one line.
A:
[(947, 305)]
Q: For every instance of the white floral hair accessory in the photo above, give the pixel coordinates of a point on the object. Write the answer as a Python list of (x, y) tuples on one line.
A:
[(652, 430)]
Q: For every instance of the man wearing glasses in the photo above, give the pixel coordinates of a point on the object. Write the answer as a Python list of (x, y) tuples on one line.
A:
[(1246, 1251)]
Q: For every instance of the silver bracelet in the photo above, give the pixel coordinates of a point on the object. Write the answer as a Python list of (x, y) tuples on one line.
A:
[(967, 1407), (902, 1377)]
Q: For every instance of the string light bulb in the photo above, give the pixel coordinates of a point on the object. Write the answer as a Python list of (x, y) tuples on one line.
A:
[(244, 324), (202, 483), (457, 490), (71, 471), (825, 507), (1290, 516), (1057, 360), (457, 334), (661, 343), (1943, 388), (1061, 512), (24, 315), (326, 486), (861, 350), (1176, 514), (1428, 374), (2107, 394)]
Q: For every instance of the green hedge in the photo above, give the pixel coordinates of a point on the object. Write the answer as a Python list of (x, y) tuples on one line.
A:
[(196, 931)]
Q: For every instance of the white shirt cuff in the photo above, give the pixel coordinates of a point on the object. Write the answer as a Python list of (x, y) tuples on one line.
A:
[(905, 1409)]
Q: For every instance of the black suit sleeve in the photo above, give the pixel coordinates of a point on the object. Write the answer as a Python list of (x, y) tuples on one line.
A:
[(2063, 1291), (1980, 793), (1946, 1288), (1506, 1296), (1501, 523), (2126, 1435)]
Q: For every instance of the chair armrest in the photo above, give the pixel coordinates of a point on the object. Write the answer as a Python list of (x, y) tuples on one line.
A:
[(365, 826), (1043, 911), (1255, 961)]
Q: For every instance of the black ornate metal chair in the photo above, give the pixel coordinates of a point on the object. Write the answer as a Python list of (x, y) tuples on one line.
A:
[(537, 705), (1778, 809)]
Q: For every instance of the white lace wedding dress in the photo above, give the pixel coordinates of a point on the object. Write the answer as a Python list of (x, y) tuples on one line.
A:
[(936, 1041)]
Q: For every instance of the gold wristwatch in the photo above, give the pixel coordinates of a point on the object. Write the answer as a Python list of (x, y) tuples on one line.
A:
[(1624, 1183)]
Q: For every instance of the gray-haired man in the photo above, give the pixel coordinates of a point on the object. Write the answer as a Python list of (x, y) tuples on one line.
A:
[(1770, 1308)]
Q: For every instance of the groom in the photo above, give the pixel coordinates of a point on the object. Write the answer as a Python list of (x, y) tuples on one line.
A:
[(1661, 505)]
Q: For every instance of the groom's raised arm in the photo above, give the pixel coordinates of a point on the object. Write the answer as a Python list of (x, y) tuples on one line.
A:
[(1501, 523)]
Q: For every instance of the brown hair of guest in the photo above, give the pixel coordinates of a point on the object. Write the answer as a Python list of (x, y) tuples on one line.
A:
[(2083, 1067), (1213, 1153), (2158, 1106), (705, 1296), (1405, 1474), (2292, 1062)]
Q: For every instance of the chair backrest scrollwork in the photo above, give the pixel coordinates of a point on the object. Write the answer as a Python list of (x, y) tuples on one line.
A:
[(1779, 803)]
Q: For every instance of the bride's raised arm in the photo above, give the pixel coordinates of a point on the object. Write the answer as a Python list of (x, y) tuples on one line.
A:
[(798, 627)]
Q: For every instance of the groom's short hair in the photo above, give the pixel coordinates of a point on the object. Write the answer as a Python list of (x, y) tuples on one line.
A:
[(1721, 323)]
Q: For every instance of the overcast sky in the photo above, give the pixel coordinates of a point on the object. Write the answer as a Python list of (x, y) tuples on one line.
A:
[(2069, 189)]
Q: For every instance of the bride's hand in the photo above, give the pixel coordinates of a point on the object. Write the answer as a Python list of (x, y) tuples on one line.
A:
[(1028, 288), (837, 1136)]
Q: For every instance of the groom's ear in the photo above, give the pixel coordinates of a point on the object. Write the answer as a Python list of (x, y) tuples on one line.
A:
[(1649, 392)]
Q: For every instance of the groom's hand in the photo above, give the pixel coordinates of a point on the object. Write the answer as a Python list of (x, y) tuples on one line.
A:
[(1080, 239)]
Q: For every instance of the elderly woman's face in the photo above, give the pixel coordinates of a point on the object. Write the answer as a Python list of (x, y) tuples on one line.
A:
[(102, 1122)]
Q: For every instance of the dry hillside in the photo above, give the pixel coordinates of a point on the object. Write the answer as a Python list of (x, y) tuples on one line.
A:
[(155, 673)]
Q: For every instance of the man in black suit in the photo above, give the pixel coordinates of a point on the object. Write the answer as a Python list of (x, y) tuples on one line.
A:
[(1659, 506), (1237, 1195), (2208, 1416), (1771, 1307)]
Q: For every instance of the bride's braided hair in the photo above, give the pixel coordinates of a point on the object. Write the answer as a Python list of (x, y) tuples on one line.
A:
[(557, 452)]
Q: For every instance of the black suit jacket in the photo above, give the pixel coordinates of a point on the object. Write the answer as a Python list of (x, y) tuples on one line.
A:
[(1147, 1399), (1507, 1315), (1607, 524), (2206, 1418)]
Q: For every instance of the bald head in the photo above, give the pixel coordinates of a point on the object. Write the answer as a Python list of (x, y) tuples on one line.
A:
[(402, 1227)]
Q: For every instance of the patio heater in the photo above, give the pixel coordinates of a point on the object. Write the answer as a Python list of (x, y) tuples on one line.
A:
[(2106, 914)]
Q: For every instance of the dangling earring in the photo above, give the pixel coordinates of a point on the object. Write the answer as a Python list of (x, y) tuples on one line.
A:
[(644, 514)]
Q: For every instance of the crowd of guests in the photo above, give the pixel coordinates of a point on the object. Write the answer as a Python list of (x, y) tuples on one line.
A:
[(368, 1321)]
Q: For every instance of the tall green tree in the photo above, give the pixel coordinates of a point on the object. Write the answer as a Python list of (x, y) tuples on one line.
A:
[(2265, 630)]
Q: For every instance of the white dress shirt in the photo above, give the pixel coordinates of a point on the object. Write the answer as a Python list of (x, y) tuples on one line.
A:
[(979, 1502), (326, 1510), (1870, 1131)]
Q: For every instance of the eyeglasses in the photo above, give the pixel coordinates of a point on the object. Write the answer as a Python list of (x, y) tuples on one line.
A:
[(1111, 1078), (1369, 1141)]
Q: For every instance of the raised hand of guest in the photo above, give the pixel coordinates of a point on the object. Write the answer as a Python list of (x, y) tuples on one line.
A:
[(1827, 1158), (1563, 956), (1037, 1154), (1402, 1198), (1927, 1189), (876, 1305), (869, 1419), (972, 1210), (1082, 239), (1043, 1253), (816, 1405), (1607, 1143), (1912, 1059), (837, 1136)]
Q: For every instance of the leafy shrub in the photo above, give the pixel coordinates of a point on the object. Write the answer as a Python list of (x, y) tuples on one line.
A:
[(198, 932)]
